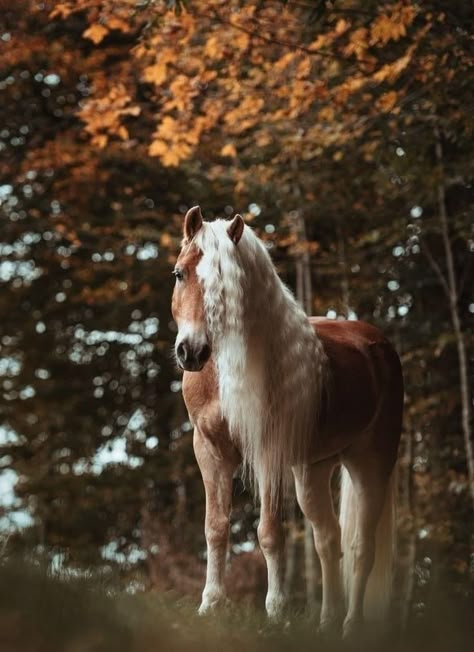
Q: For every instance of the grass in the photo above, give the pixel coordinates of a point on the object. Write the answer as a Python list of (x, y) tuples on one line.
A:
[(41, 612)]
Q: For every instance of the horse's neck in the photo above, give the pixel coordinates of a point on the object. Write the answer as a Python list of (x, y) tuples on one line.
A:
[(273, 316)]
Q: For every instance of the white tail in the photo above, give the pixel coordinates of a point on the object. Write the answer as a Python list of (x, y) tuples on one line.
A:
[(379, 586)]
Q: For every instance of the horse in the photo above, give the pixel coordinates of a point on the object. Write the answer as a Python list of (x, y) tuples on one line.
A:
[(287, 396)]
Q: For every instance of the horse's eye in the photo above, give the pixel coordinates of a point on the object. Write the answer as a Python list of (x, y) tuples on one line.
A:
[(178, 274)]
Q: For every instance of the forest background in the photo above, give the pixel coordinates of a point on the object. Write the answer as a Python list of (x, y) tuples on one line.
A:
[(342, 131)]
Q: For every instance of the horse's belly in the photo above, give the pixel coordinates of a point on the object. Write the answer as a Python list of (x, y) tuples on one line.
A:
[(343, 426)]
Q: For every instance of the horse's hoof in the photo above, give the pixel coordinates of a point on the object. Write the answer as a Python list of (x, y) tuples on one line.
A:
[(211, 606), (330, 630), (204, 609), (275, 608), (352, 630)]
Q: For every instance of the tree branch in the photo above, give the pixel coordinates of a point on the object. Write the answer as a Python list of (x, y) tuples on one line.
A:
[(268, 39), (436, 268)]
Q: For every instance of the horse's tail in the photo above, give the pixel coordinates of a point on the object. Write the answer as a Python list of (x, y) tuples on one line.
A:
[(379, 586)]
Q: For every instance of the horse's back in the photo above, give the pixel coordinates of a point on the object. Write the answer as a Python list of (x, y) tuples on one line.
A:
[(344, 331), (364, 385), (351, 345)]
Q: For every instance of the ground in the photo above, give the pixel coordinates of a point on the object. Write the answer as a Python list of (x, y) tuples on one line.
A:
[(42, 612)]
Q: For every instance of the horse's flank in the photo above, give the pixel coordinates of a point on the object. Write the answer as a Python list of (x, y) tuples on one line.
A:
[(362, 369)]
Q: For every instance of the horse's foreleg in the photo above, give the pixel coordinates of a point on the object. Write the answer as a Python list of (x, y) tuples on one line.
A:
[(313, 492), (271, 540), (217, 467)]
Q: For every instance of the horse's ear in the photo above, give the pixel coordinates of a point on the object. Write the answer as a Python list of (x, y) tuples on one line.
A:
[(192, 222), (236, 228)]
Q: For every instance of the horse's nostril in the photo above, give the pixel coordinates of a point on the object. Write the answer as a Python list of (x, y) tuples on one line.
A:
[(190, 358), (182, 352)]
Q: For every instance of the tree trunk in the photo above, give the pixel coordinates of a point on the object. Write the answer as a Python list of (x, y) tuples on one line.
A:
[(304, 293), (311, 567), (451, 290), (341, 254), (408, 506)]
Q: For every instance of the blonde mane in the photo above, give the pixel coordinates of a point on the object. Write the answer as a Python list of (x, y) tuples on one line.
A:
[(270, 363)]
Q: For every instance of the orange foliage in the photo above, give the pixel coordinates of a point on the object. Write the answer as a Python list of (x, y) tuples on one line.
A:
[(242, 74), (104, 116)]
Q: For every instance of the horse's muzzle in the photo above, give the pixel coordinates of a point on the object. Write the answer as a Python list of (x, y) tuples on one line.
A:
[(190, 359)]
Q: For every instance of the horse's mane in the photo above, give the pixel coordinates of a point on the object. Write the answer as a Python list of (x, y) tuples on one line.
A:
[(270, 363)]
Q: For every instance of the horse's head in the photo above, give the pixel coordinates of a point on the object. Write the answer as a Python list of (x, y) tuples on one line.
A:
[(193, 342)]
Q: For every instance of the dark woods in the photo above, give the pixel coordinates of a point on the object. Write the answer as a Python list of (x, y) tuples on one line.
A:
[(342, 131)]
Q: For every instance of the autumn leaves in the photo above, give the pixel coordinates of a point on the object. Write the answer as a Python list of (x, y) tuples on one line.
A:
[(231, 77)]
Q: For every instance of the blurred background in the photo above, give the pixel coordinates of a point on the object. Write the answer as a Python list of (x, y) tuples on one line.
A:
[(342, 131)]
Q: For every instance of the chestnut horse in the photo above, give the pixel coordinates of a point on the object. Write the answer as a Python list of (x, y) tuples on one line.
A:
[(282, 393)]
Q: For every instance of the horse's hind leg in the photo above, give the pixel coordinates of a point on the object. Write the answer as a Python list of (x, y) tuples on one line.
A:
[(363, 497), (313, 491), (217, 465)]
